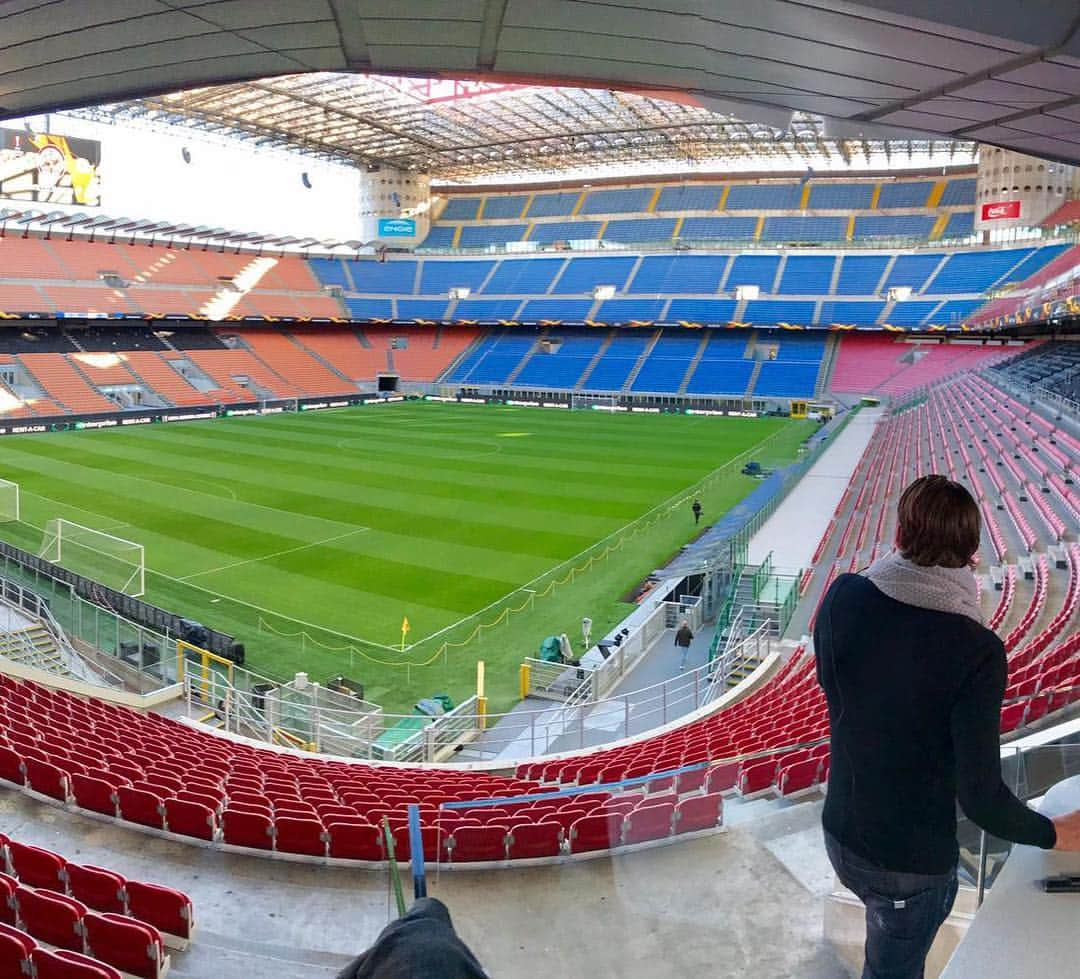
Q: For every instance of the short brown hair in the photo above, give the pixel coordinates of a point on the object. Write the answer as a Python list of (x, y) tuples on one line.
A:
[(939, 523)]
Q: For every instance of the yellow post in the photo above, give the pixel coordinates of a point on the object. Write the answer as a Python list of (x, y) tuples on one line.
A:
[(481, 700), (404, 631), (524, 680)]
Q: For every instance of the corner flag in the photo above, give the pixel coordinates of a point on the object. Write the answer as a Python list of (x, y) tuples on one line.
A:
[(404, 631)]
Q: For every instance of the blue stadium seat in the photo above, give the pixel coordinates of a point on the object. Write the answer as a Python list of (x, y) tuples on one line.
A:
[(504, 205), (628, 200), (763, 197), (460, 209), (421, 309), (955, 311), (612, 370), (958, 191), (807, 275), (714, 376), (553, 205), (894, 225), (567, 310), (910, 313), (770, 311), (667, 363), (860, 274), (369, 309), (975, 271), (439, 277), (523, 276), (679, 273), (481, 235), (330, 272), (493, 359), (961, 225), (564, 368), (905, 193), (751, 270), (625, 310), (778, 379), (639, 229), (701, 310), (858, 313), (840, 197), (690, 197), (1039, 258), (383, 278), (584, 274), (804, 229), (726, 345), (808, 347), (545, 233), (440, 236), (487, 309), (718, 229), (911, 270)]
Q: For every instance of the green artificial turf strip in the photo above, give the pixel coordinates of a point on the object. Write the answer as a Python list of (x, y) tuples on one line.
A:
[(310, 537)]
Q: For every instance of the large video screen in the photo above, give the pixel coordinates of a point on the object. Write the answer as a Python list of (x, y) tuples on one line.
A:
[(48, 168)]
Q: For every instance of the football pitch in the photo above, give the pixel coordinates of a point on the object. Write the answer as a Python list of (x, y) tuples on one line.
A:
[(312, 537)]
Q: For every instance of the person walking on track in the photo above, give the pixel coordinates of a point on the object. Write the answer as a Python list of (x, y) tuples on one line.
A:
[(696, 507)]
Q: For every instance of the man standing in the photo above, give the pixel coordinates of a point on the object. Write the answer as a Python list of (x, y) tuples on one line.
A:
[(683, 638), (914, 683), (697, 511)]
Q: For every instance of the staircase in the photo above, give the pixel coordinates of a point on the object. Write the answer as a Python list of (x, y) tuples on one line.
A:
[(832, 347), (316, 357), (529, 354), (33, 646), (597, 357), (693, 365), (753, 378), (645, 354)]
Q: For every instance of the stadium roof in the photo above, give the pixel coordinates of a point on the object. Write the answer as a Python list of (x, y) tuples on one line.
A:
[(995, 71), (461, 130)]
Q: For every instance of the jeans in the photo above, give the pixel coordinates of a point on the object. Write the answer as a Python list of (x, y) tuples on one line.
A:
[(903, 911)]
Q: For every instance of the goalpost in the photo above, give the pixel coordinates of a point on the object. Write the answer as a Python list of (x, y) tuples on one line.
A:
[(600, 402), (112, 561), (9, 501)]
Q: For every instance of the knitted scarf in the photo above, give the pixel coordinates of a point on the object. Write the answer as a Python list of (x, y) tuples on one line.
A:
[(941, 589)]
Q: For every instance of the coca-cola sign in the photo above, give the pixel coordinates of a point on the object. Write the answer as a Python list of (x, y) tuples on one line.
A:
[(998, 210)]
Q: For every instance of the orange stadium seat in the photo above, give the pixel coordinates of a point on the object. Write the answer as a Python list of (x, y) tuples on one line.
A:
[(290, 360), (63, 383)]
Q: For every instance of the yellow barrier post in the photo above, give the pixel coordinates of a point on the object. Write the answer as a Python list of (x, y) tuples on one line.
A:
[(524, 680), (481, 700)]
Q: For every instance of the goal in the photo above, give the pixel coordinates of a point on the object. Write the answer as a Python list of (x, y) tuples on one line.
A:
[(112, 561), (598, 402), (9, 501)]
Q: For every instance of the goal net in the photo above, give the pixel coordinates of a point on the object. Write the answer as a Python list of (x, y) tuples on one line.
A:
[(112, 561), (9, 501), (599, 402)]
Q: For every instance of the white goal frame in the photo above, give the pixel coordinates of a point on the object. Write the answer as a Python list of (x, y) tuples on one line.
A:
[(9, 501), (586, 402), (59, 531)]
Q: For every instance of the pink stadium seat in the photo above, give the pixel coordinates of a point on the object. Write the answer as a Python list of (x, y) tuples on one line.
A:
[(169, 911), (99, 889), (251, 829), (299, 835), (51, 918), (698, 812), (35, 866), (16, 948), (478, 843), (69, 965), (128, 945), (649, 822)]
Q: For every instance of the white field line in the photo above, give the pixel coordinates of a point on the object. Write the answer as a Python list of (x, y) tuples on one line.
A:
[(267, 557)]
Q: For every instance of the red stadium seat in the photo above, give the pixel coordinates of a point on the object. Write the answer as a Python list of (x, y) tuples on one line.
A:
[(69, 965), (543, 839), (470, 843), (595, 833), (11, 766), (51, 918), (190, 818), (698, 812), (799, 776), (649, 822), (756, 776), (16, 947), (36, 867), (46, 778), (299, 835), (355, 841), (128, 945), (251, 829), (95, 794), (169, 911), (8, 886), (99, 889), (139, 806)]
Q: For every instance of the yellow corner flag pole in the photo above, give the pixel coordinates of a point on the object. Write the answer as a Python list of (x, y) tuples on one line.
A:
[(404, 631)]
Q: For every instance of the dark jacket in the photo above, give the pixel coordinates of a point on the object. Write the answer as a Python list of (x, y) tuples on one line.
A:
[(684, 636), (914, 708), (420, 945)]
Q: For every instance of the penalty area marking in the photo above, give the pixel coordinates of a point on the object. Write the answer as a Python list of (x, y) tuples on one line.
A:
[(267, 557)]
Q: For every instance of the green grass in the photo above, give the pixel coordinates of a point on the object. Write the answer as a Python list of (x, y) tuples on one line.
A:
[(310, 537)]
